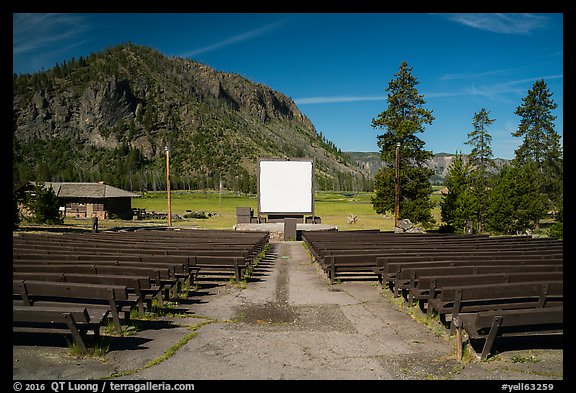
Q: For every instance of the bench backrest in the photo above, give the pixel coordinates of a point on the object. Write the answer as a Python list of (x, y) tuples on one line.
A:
[(69, 290), (521, 317), (405, 266), (478, 279), (419, 272), (503, 291)]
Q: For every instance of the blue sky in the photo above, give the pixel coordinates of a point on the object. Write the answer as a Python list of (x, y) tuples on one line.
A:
[(336, 66)]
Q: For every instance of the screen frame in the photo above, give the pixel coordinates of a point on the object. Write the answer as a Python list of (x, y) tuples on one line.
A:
[(306, 190)]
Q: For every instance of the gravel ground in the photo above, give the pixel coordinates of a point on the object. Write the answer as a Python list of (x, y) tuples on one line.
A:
[(287, 323)]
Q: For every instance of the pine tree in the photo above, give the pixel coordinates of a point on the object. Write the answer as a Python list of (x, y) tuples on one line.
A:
[(458, 206), (403, 119), (44, 205), (480, 159), (515, 203), (480, 140), (541, 143)]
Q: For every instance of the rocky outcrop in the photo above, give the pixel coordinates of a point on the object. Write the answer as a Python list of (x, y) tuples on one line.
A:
[(104, 104), (64, 114)]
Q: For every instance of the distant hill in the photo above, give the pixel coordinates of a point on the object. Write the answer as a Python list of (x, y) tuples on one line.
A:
[(440, 163), (109, 117)]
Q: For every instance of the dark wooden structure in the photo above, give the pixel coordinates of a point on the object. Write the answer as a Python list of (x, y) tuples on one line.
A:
[(86, 200)]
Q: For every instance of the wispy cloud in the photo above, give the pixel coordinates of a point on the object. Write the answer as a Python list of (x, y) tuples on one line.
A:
[(478, 75), (501, 23), (33, 32), (494, 91), (335, 99), (249, 35), (500, 91)]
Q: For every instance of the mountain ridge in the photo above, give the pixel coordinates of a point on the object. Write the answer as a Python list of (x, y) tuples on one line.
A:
[(439, 163), (111, 115)]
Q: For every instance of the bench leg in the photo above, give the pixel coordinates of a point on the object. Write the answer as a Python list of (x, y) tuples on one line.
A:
[(421, 305), (116, 319), (458, 338), (396, 292), (332, 273), (74, 330), (456, 308), (96, 332), (491, 337), (140, 305), (127, 317)]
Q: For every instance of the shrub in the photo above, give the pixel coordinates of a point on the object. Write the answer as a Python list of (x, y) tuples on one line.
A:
[(556, 230), (198, 214), (44, 205)]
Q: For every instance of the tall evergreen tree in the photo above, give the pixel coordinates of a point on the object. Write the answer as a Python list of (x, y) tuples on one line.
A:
[(458, 206), (480, 140), (480, 158), (402, 120), (541, 143)]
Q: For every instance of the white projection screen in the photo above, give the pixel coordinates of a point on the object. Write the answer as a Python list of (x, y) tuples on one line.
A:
[(285, 187)]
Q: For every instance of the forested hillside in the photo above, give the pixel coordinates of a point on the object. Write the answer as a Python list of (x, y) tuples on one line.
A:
[(109, 116)]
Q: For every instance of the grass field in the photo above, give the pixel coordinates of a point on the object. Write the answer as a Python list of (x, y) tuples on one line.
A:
[(334, 208)]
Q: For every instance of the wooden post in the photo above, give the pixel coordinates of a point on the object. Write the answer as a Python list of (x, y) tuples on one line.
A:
[(168, 186), (397, 188), (458, 338)]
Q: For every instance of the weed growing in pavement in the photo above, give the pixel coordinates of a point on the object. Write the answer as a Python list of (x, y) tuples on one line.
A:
[(166, 355), (524, 359), (97, 349)]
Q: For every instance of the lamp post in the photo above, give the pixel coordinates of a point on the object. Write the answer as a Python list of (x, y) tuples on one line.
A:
[(166, 148), (397, 186)]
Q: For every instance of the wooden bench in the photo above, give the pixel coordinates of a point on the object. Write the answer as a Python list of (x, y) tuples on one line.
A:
[(407, 276), (489, 325), (160, 276), (385, 270), (141, 286), (236, 266), (423, 284), (47, 293), (388, 269), (76, 319), (336, 265), (473, 298), (457, 246)]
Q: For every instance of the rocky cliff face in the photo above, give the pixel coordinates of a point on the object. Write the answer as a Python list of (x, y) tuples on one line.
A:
[(133, 98)]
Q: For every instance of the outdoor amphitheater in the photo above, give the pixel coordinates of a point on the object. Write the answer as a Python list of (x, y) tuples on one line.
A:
[(487, 293)]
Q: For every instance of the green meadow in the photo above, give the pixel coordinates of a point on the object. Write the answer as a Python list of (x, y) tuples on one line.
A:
[(334, 208)]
